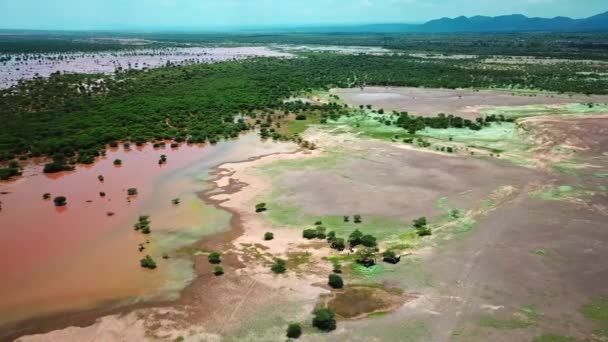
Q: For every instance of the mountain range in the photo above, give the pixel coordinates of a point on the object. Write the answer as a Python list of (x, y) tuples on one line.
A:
[(503, 23)]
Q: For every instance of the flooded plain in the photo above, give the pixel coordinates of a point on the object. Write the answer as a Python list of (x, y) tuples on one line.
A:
[(29, 66), (86, 254)]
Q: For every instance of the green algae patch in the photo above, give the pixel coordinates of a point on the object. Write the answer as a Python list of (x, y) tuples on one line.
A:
[(598, 311), (537, 110), (552, 338)]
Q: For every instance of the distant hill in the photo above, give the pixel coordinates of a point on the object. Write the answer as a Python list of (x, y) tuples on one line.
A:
[(503, 23)]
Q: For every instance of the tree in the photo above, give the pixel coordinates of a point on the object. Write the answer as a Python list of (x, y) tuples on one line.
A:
[(365, 256), (355, 238), (369, 241), (214, 258), (268, 236), (309, 234), (331, 236), (147, 262), (60, 201), (390, 256), (421, 227), (218, 270), (260, 207), (294, 330), (279, 266), (324, 319), (335, 281), (338, 244)]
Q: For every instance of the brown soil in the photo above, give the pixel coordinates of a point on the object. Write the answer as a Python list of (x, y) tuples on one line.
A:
[(462, 102)]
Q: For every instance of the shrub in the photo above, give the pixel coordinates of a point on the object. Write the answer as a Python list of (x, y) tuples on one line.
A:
[(365, 256), (46, 196), (324, 319), (279, 266), (148, 262), (335, 281), (175, 201), (357, 219), (369, 241), (337, 268), (132, 191), (214, 258), (60, 201), (300, 117), (218, 270), (318, 223), (420, 222), (268, 236), (100, 178), (102, 194), (56, 167), (331, 236), (338, 244), (117, 162), (391, 257), (294, 330), (346, 218), (421, 227), (355, 238), (260, 207), (310, 234)]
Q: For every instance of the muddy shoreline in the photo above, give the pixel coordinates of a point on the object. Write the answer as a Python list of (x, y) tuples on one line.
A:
[(203, 270)]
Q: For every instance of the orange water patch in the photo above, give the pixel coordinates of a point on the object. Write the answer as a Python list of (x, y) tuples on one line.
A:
[(77, 256)]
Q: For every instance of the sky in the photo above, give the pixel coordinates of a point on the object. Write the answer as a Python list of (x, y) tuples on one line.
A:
[(217, 14)]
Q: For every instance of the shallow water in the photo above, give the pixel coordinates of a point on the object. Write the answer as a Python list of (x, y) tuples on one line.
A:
[(77, 257)]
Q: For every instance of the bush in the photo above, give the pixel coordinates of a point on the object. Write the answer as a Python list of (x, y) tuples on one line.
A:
[(218, 270), (335, 281), (420, 222), (391, 257), (268, 236), (117, 162), (46, 196), (214, 258), (337, 268), (368, 241), (60, 201), (148, 262), (279, 266), (357, 219), (132, 191), (338, 244), (421, 227), (310, 234), (260, 207), (355, 238), (175, 201), (324, 319), (300, 117), (55, 167), (294, 330)]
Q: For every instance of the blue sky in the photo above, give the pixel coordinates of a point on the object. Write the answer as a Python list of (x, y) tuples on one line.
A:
[(149, 14)]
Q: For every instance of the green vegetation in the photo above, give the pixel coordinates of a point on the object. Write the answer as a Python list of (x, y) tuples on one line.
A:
[(260, 207), (324, 319), (279, 266), (422, 229), (552, 338), (198, 103), (132, 191), (214, 258), (60, 201), (598, 311), (46, 196), (148, 262), (218, 270), (335, 281), (268, 236), (12, 170), (143, 224), (294, 330), (491, 321)]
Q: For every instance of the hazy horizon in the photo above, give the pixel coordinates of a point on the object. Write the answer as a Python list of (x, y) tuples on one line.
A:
[(251, 14)]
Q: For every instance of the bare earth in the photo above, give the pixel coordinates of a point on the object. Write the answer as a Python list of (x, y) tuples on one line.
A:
[(462, 102)]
